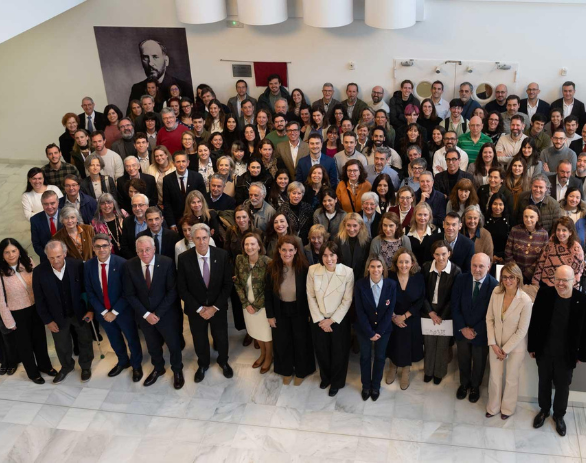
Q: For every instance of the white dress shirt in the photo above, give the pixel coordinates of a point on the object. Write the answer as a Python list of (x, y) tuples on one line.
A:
[(60, 274), (294, 152), (568, 109), (448, 269)]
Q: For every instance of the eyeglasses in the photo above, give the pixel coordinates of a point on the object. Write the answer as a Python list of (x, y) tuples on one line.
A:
[(508, 277), (292, 130), (138, 205), (558, 138), (97, 247), (452, 159), (71, 185), (563, 280), (352, 171)]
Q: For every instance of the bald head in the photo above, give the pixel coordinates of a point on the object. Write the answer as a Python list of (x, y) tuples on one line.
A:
[(480, 265), (533, 90), (501, 93), (475, 125), (377, 94), (564, 281)]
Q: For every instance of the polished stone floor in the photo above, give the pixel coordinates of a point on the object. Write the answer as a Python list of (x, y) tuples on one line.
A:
[(253, 417)]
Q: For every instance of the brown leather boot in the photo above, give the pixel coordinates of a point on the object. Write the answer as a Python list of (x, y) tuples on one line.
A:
[(261, 359), (266, 365)]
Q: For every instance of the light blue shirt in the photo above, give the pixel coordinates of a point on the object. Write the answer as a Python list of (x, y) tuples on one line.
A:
[(139, 227), (376, 290)]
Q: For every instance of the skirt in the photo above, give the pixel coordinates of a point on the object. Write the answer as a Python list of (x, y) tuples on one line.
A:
[(258, 326)]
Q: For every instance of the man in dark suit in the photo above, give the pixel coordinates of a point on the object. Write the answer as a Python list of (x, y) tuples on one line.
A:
[(103, 285), (85, 204), (125, 145), (45, 224), (89, 119), (147, 103), (328, 101), (132, 170), (579, 146), (204, 283), (234, 103), (176, 187), (446, 180), (285, 149), (246, 114), (155, 62), (58, 286), (470, 297), (435, 199), (353, 105), (532, 100), (150, 289), (165, 239), (562, 179), (557, 340), (568, 100), (315, 142), (462, 246), (133, 225)]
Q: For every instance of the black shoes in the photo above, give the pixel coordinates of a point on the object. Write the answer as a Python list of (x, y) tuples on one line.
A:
[(324, 385), (333, 392), (427, 379), (117, 370), (38, 380), (3, 370), (474, 395), (540, 419), (178, 380), (200, 374), (152, 378), (60, 376), (52, 372), (136, 374), (227, 370), (10, 371), (462, 392), (374, 395), (560, 425), (86, 375), (247, 341), (437, 380), (365, 394)]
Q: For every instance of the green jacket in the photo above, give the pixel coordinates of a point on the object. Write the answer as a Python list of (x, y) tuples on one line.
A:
[(241, 271)]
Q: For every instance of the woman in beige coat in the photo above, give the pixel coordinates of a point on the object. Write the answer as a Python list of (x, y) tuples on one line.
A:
[(507, 322)]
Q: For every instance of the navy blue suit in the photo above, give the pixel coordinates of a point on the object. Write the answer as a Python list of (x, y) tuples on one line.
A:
[(463, 252), (472, 353), (87, 207), (373, 320), (124, 324), (304, 165), (41, 233)]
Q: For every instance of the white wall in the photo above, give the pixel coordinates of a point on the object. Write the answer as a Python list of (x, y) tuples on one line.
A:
[(47, 70)]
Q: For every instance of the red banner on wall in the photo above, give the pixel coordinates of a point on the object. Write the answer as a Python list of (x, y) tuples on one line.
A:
[(263, 70)]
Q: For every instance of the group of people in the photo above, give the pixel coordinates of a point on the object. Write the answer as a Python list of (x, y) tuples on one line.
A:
[(331, 227)]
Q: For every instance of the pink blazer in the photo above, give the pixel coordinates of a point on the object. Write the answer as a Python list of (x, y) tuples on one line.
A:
[(19, 297)]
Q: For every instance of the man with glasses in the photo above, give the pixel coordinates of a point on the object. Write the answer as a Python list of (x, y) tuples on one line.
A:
[(85, 204), (133, 225), (532, 104), (446, 181), (279, 134), (56, 170), (472, 141), (416, 167), (292, 150), (550, 157), (328, 101), (125, 146), (170, 134), (500, 102), (557, 340), (535, 131), (439, 158), (378, 102), (103, 285), (510, 144)]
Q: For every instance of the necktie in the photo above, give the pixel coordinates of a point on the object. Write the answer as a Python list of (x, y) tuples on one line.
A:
[(90, 126), (206, 271), (476, 291), (147, 276), (584, 148), (53, 229), (182, 185), (107, 304), (157, 246), (376, 294)]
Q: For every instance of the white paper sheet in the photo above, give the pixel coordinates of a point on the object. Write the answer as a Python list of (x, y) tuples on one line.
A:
[(446, 328)]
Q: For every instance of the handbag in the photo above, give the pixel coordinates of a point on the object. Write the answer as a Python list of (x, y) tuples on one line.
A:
[(3, 328)]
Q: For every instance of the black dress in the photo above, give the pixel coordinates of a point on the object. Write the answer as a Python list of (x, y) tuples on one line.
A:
[(499, 228), (406, 344), (422, 249)]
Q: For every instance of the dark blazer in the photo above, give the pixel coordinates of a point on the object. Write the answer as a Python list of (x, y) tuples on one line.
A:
[(225, 203), (169, 240), (463, 252), (484, 195), (577, 146), (93, 287), (443, 310), (466, 315), (406, 223), (273, 299), (126, 148), (578, 110), (151, 191), (41, 233), (100, 122), (359, 106), (541, 320), (87, 207), (87, 187), (356, 260), (573, 182), (139, 89), (542, 107), (161, 299), (47, 297), (438, 203), (173, 200), (128, 239), (233, 104), (192, 288), (304, 165), (373, 319), (442, 183), (66, 142)]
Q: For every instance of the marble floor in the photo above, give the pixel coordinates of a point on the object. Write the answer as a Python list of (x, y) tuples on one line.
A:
[(253, 417)]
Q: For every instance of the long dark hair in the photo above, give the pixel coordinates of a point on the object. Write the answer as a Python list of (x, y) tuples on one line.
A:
[(500, 128), (271, 233), (479, 162), (532, 160), (390, 196), (276, 265), (24, 259), (30, 174), (493, 198), (274, 193)]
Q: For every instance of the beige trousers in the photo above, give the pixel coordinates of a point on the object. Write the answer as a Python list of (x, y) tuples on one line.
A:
[(505, 401)]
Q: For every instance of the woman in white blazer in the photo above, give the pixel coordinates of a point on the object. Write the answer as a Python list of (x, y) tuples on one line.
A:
[(330, 286), (507, 322)]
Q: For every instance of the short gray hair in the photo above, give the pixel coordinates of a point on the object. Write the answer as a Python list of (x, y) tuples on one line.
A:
[(167, 111), (383, 150), (131, 158), (328, 84), (426, 172), (142, 196), (296, 186), (281, 99), (542, 178), (218, 177), (418, 162), (144, 97), (68, 211), (413, 147), (200, 226), (469, 85), (53, 244), (474, 208), (88, 161), (261, 186), (144, 238), (87, 98), (370, 195), (101, 236)]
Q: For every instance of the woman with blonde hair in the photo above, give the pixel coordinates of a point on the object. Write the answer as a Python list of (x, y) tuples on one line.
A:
[(196, 205), (161, 167), (507, 323), (423, 233), (318, 235), (354, 243)]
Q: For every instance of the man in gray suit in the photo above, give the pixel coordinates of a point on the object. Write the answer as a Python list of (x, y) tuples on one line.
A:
[(234, 103), (292, 150), (328, 101)]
